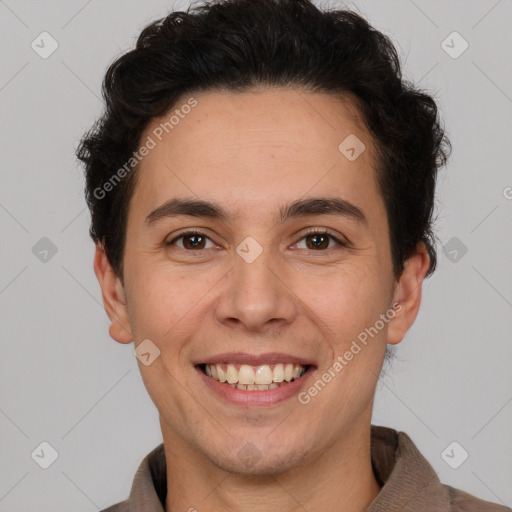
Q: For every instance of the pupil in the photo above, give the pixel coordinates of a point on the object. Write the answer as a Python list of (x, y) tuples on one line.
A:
[(316, 237), (190, 237)]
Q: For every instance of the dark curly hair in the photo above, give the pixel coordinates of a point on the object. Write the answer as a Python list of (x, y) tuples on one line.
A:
[(236, 45)]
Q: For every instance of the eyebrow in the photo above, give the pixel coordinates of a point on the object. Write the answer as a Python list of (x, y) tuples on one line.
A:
[(300, 208)]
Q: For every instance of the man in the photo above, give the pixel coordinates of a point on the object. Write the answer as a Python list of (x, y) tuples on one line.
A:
[(261, 187)]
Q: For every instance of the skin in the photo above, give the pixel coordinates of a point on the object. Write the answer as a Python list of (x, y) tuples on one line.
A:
[(254, 152)]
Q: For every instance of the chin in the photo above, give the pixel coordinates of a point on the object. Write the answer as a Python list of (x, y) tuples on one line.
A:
[(252, 459)]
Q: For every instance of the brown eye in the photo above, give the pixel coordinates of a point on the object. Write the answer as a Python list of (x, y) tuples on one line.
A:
[(192, 240), (319, 240)]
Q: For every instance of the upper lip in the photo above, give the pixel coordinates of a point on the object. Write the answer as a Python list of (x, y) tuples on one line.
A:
[(255, 359)]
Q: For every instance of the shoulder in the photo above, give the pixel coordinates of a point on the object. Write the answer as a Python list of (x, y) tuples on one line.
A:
[(461, 501), (123, 506)]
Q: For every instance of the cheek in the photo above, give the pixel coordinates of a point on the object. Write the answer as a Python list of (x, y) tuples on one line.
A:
[(167, 305), (347, 301)]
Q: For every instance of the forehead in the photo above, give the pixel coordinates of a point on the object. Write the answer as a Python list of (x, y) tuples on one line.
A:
[(253, 149)]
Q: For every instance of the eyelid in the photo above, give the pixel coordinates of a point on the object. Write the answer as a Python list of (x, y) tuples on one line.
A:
[(340, 241), (188, 232)]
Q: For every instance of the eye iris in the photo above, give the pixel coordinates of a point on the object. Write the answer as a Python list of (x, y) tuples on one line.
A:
[(321, 244), (320, 241), (194, 245)]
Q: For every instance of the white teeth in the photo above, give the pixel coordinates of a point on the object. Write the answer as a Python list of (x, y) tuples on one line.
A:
[(248, 379), (254, 387), (221, 374), (246, 375), (278, 373), (263, 375), (232, 374)]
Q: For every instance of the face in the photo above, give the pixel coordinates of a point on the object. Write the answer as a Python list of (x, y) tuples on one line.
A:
[(267, 278)]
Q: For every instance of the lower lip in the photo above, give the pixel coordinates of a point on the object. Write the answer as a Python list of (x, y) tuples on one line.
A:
[(256, 397)]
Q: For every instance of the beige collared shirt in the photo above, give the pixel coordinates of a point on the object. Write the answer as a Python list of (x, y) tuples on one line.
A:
[(409, 483)]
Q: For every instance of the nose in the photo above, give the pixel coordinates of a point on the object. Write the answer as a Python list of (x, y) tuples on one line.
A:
[(257, 297)]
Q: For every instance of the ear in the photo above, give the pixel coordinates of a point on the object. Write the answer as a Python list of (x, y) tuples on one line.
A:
[(114, 299), (407, 294)]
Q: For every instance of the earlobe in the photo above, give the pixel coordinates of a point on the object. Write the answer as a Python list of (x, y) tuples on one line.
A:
[(408, 294), (114, 299)]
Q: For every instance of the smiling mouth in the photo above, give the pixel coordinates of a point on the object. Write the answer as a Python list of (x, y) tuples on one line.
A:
[(254, 378)]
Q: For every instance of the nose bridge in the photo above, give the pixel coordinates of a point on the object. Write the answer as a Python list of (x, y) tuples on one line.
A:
[(255, 294)]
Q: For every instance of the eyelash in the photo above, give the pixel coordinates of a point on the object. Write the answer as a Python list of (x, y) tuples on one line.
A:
[(310, 232)]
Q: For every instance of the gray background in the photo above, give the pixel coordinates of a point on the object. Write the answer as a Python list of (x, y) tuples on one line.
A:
[(64, 381)]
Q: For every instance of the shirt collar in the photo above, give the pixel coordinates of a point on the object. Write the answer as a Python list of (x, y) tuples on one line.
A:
[(408, 481)]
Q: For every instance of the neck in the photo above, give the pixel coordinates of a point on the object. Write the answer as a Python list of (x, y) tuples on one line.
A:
[(340, 478)]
